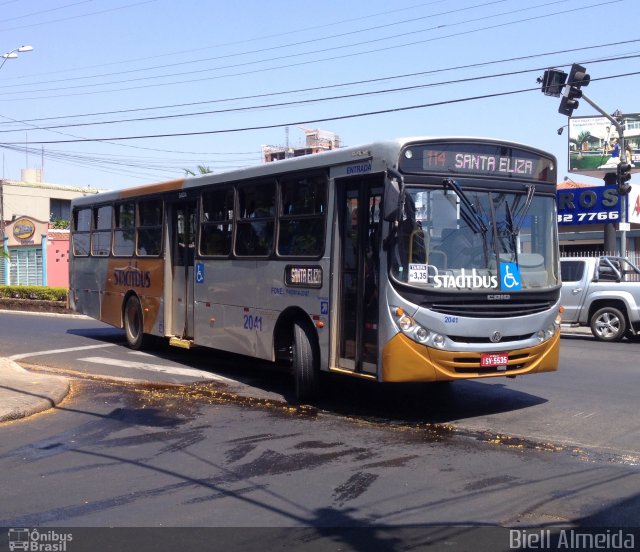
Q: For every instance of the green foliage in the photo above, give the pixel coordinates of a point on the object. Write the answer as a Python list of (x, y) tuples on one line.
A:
[(202, 169), (60, 224), (34, 292)]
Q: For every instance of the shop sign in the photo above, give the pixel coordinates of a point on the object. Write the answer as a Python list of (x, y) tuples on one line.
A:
[(24, 229), (596, 205)]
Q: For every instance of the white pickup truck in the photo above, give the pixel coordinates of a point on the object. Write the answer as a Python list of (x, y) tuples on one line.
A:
[(603, 293)]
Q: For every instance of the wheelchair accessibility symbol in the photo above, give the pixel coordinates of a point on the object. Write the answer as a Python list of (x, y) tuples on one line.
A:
[(199, 273), (510, 276)]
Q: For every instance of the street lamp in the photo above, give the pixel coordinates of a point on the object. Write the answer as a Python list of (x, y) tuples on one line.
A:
[(13, 54)]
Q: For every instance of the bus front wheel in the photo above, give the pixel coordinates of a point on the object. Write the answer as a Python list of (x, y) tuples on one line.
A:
[(305, 363), (134, 324)]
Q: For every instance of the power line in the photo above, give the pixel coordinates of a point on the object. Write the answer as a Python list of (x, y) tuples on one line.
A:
[(40, 12), (100, 12), (316, 88), (314, 100), (342, 56), (280, 47), (252, 40), (307, 121)]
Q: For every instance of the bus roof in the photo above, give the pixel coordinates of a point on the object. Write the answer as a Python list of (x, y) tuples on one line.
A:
[(388, 149)]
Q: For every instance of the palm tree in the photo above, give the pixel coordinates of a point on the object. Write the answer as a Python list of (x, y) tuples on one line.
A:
[(202, 169), (581, 139)]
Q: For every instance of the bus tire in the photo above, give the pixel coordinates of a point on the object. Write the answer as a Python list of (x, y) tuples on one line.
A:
[(305, 363), (608, 324), (134, 324)]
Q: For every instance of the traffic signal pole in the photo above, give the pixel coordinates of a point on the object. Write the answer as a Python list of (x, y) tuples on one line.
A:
[(623, 159), (553, 83)]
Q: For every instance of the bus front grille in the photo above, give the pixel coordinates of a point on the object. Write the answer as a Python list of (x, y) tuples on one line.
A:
[(489, 309), (487, 340)]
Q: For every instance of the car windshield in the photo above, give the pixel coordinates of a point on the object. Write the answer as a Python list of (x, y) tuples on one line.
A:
[(474, 240)]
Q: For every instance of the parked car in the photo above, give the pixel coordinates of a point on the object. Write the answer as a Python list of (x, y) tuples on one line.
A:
[(602, 293)]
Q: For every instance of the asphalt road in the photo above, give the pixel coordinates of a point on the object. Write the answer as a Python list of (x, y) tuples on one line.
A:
[(588, 405), (128, 448), (138, 456)]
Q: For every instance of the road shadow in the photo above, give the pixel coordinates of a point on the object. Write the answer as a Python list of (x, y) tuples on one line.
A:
[(408, 402), (104, 335)]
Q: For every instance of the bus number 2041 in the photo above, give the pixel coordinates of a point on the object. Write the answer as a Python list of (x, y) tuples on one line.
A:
[(252, 322)]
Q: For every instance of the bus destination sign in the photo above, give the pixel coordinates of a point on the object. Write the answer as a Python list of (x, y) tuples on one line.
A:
[(303, 276), (478, 159)]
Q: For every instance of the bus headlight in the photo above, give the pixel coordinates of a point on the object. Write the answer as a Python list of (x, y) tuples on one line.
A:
[(416, 332), (409, 326), (406, 323), (438, 341), (421, 334), (548, 332)]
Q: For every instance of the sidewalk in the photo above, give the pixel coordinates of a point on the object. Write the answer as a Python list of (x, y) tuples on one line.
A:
[(23, 393)]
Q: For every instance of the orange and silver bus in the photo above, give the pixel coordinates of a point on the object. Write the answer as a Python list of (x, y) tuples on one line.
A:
[(415, 260)]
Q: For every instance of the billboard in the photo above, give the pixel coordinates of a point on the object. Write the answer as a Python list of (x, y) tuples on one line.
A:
[(593, 144)]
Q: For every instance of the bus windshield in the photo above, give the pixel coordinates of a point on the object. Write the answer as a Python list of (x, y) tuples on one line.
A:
[(458, 238)]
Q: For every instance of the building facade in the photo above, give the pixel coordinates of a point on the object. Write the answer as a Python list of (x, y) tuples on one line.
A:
[(34, 231)]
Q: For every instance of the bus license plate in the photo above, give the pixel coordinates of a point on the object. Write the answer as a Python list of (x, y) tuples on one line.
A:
[(488, 360)]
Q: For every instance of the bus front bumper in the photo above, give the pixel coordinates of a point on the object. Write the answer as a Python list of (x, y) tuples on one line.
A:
[(404, 360)]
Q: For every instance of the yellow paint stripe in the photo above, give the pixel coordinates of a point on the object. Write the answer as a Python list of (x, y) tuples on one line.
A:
[(149, 189)]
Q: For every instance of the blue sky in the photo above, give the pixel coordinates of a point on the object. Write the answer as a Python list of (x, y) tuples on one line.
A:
[(202, 73)]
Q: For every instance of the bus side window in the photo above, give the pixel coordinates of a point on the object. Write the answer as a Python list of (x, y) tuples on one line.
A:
[(149, 228), (101, 231), (124, 229), (81, 232), (256, 226), (217, 223), (302, 216)]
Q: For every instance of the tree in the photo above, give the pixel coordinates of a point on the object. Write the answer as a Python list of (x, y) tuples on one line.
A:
[(202, 169), (581, 139)]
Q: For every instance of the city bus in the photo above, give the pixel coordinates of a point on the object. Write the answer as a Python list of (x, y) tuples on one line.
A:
[(414, 260)]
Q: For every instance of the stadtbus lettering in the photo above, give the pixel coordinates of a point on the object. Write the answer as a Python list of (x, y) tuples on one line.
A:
[(464, 280), (132, 277)]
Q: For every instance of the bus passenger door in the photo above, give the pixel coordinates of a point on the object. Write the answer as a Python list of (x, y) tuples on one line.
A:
[(359, 229), (182, 239)]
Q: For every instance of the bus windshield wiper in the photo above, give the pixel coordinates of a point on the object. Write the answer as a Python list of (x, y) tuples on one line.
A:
[(470, 214), (468, 210), (522, 212)]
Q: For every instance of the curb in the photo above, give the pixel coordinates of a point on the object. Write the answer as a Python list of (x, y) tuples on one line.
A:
[(25, 393)]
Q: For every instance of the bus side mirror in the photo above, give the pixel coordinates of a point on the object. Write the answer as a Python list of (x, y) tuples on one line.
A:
[(391, 201)]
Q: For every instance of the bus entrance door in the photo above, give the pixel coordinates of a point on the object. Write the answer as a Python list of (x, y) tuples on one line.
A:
[(182, 238), (359, 204)]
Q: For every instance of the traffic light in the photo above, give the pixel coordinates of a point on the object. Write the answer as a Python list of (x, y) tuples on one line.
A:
[(552, 82), (624, 175), (578, 77)]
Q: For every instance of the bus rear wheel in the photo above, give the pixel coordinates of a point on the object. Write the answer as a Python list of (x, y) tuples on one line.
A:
[(305, 363), (134, 324)]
